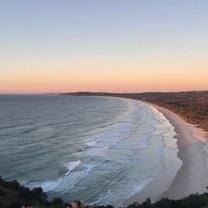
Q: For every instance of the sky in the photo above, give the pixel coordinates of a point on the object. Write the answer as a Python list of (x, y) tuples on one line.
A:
[(103, 45)]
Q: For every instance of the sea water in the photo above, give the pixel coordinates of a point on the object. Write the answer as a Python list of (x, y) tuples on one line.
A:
[(100, 150)]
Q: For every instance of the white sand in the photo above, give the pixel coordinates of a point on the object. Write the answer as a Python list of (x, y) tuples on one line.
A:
[(192, 177)]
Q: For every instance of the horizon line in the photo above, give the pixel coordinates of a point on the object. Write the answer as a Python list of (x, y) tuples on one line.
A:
[(94, 92)]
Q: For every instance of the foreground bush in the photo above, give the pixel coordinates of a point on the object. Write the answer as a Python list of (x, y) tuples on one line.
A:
[(13, 195)]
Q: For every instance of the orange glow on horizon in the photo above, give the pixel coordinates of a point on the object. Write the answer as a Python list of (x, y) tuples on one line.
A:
[(104, 75), (104, 85)]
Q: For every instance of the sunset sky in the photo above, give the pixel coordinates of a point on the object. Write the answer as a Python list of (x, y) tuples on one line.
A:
[(103, 45)]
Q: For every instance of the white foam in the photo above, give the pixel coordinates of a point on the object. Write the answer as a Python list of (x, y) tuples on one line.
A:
[(91, 144), (53, 184), (47, 185), (50, 185), (99, 200), (71, 180), (99, 151), (71, 166)]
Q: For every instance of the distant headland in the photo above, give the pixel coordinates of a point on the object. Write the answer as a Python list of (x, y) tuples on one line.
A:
[(190, 105)]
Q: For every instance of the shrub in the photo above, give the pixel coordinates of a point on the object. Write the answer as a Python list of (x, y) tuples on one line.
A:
[(2, 192), (14, 185), (57, 201), (37, 193)]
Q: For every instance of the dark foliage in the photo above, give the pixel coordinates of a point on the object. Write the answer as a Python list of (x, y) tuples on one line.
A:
[(57, 201), (37, 197), (38, 193), (15, 205), (165, 202), (14, 185), (2, 192), (146, 203), (102, 206)]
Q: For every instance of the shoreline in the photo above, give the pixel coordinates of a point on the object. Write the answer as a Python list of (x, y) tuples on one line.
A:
[(192, 176)]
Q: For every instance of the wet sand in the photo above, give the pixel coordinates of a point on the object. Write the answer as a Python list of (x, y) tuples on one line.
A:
[(192, 176)]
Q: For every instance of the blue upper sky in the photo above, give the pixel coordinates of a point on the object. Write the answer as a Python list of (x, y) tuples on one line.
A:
[(39, 26)]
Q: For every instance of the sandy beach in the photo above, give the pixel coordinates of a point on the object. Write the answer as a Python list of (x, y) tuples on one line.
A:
[(192, 176)]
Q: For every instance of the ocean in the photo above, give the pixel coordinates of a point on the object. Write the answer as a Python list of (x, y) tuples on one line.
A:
[(100, 150)]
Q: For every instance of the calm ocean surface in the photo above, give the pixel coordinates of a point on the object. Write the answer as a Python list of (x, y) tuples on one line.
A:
[(97, 149)]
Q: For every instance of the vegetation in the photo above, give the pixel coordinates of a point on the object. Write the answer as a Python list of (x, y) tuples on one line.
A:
[(13, 195)]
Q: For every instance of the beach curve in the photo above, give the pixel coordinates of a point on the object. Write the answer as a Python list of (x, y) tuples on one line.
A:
[(191, 177)]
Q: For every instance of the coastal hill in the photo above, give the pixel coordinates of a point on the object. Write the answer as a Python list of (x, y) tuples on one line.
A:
[(191, 105)]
